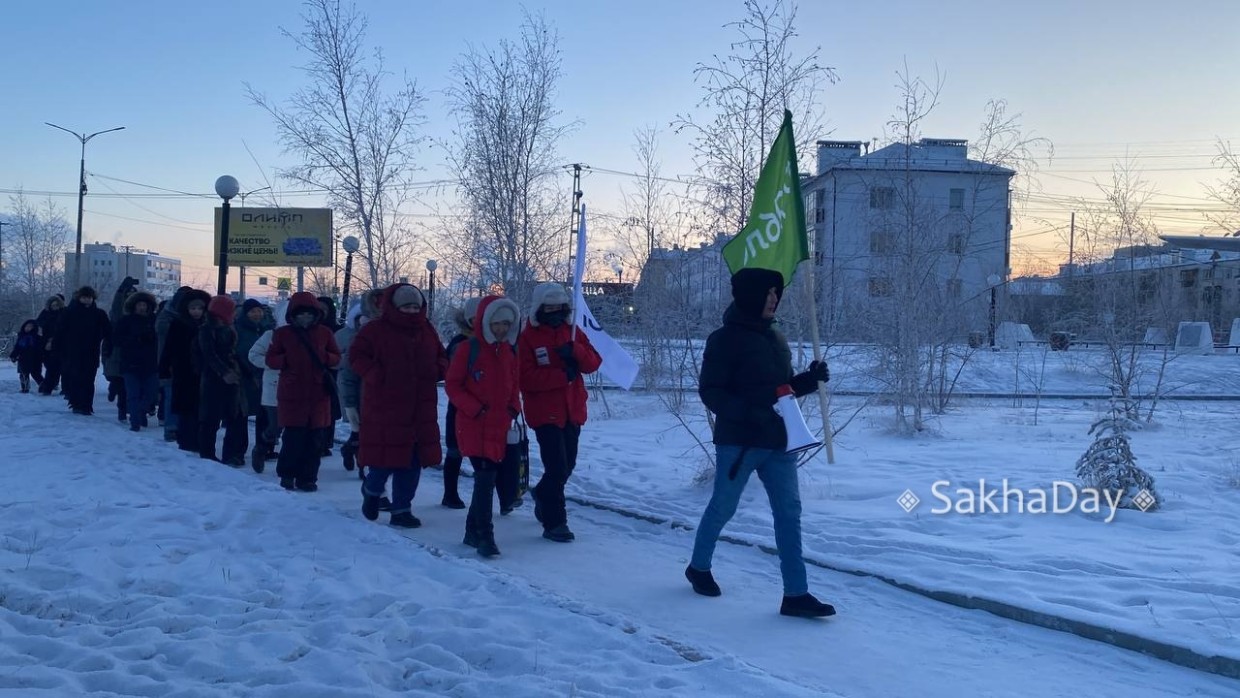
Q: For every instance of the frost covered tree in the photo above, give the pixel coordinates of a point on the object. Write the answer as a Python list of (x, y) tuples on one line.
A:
[(1108, 465)]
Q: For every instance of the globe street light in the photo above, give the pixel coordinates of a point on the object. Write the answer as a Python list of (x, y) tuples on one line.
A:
[(77, 254), (350, 245), (227, 187), (431, 265)]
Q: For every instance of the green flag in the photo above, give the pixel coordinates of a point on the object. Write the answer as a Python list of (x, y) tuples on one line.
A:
[(775, 236)]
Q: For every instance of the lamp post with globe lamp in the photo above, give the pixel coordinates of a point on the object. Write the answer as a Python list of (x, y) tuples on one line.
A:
[(431, 266), (350, 245), (227, 187)]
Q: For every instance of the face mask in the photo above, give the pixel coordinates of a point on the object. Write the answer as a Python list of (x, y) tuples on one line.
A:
[(304, 319), (554, 319)]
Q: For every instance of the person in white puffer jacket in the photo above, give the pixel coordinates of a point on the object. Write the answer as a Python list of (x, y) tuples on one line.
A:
[(264, 444)]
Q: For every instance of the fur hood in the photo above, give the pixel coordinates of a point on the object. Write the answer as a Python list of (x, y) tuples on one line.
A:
[(549, 293), (487, 309), (141, 296)]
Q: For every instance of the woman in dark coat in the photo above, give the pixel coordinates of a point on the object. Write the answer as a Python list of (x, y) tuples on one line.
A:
[(251, 322), (176, 364), (220, 396), (111, 354), (49, 320), (78, 339), (303, 351), (400, 361), (135, 343), (28, 354)]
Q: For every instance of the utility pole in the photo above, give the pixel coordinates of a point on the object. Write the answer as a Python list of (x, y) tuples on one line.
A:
[(127, 249), (573, 231), (2, 224)]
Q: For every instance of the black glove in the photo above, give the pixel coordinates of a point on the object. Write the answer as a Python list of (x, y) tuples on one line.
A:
[(571, 372), (807, 382), (819, 370)]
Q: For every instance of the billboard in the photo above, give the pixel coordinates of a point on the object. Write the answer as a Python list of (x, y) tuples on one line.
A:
[(277, 237)]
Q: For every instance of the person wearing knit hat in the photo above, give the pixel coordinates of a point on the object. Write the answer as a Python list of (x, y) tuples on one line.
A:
[(401, 361), (463, 318), (177, 368), (553, 362), (745, 365)]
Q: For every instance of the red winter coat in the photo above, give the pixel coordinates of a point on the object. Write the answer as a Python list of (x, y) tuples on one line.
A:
[(400, 362), (486, 394), (549, 398), (302, 397)]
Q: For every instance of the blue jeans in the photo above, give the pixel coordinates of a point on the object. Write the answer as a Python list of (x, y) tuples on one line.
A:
[(170, 417), (778, 472), (404, 484), (141, 390)]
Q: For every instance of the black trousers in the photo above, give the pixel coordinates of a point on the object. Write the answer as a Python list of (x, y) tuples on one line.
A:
[(300, 453), (558, 446), (480, 519), (51, 364), (236, 438), (79, 383), (452, 461)]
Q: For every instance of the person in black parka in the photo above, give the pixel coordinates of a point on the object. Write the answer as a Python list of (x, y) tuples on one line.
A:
[(49, 320), (251, 321), (78, 339), (178, 368), (28, 355), (111, 355), (221, 399), (745, 365), (136, 346)]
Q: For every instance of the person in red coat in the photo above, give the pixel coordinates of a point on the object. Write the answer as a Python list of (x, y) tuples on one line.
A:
[(400, 361), (482, 384), (552, 361), (302, 351)]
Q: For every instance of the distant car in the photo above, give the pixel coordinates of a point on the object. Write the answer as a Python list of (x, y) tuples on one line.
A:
[(302, 247)]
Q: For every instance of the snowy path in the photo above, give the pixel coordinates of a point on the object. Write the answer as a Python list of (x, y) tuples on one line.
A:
[(133, 569)]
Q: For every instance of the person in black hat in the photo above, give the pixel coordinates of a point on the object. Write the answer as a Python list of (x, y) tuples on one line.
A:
[(746, 361), (78, 339)]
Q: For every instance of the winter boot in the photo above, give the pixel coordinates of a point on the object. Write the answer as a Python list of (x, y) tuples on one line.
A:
[(471, 538), (703, 581), (370, 506), (257, 461), (805, 606), (307, 487), (559, 534), (288, 483), (385, 504), (452, 500), (451, 476), (120, 414), (112, 391), (487, 547), (348, 452), (404, 520)]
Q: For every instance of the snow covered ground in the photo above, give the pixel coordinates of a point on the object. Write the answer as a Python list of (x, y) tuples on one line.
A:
[(131, 568)]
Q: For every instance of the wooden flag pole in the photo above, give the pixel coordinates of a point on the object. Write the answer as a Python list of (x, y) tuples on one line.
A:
[(824, 400)]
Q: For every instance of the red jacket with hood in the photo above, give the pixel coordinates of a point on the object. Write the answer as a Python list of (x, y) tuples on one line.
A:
[(550, 399), (400, 361), (302, 397), (486, 394)]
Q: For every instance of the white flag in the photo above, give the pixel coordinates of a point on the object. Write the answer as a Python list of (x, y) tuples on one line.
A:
[(617, 366)]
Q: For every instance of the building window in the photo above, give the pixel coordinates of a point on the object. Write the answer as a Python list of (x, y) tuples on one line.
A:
[(882, 242), (1188, 278), (955, 201), (880, 286), (882, 198), (955, 243), (819, 215), (953, 289)]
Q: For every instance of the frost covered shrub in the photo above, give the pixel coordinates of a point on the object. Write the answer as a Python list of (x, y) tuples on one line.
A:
[(1108, 464)]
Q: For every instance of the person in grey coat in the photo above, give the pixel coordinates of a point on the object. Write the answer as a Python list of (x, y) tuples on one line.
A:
[(348, 383)]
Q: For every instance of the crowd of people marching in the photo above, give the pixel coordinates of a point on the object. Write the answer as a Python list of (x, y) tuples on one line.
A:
[(199, 364)]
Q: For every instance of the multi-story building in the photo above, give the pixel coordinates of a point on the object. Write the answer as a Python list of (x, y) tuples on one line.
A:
[(905, 222), (104, 266)]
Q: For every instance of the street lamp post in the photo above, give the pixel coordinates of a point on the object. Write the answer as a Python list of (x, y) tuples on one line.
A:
[(77, 254), (227, 187), (350, 245), (431, 265)]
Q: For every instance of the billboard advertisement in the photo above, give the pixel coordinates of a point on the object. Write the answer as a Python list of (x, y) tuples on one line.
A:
[(277, 237)]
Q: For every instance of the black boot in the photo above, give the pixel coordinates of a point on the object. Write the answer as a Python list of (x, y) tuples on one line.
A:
[(451, 476), (559, 534), (404, 520), (805, 606), (257, 461), (348, 452), (487, 547), (703, 581), (471, 537), (370, 506)]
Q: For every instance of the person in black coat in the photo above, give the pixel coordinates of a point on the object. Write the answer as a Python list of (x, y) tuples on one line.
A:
[(136, 346), (177, 367), (28, 355), (745, 364), (250, 323), (112, 355), (49, 320), (220, 398), (331, 320), (77, 342)]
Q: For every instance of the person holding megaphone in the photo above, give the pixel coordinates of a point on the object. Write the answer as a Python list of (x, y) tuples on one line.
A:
[(746, 369)]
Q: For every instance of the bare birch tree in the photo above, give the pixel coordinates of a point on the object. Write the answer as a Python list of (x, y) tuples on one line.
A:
[(1227, 190), (356, 137), (35, 245), (505, 155), (745, 95)]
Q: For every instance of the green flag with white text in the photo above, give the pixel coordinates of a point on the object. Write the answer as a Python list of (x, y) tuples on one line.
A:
[(775, 236)]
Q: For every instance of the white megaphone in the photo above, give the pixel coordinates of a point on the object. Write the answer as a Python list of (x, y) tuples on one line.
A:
[(799, 436)]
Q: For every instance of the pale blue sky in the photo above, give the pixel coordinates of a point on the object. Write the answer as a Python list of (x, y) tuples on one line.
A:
[(1154, 79)]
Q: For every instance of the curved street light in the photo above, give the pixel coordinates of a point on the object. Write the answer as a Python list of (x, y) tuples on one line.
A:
[(84, 138)]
